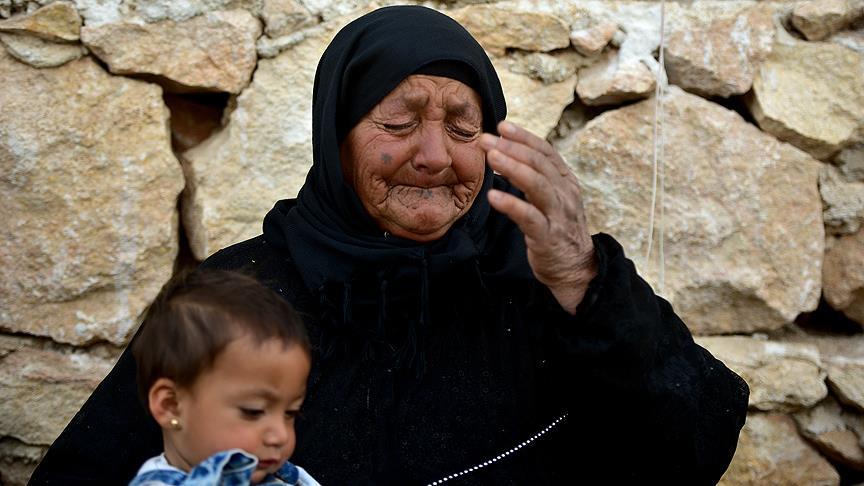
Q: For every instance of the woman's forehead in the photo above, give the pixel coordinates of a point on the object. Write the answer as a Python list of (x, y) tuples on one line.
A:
[(417, 91)]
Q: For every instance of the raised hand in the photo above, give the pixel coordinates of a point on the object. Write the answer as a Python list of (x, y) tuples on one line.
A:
[(552, 217)]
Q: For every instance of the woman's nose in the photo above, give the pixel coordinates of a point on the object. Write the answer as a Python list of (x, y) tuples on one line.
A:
[(432, 155)]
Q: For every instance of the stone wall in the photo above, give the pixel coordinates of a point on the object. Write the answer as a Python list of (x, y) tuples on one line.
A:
[(139, 136)]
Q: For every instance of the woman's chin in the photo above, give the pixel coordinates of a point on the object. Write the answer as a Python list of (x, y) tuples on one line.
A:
[(421, 226)]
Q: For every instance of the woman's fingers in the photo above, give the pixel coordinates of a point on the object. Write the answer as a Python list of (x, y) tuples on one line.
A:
[(551, 216), (521, 152), (511, 131), (516, 133), (530, 220), (533, 183)]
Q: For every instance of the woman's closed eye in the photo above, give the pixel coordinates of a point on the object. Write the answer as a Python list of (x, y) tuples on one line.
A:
[(463, 133), (398, 127)]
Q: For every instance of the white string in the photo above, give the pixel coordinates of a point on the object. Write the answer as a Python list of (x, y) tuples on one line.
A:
[(661, 280), (657, 161)]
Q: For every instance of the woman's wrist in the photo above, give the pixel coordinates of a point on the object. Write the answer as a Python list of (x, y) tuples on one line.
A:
[(570, 292)]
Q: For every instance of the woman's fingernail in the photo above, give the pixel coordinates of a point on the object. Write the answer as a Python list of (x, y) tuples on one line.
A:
[(507, 127)]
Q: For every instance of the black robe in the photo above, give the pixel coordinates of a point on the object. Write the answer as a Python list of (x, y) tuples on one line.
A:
[(501, 362), (446, 360)]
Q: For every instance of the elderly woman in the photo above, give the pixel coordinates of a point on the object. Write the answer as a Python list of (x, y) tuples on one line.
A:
[(466, 326)]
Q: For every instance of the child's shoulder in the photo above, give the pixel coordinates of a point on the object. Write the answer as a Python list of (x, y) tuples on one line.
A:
[(157, 472), (232, 467)]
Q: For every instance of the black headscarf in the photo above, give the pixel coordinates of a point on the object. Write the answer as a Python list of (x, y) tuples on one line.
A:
[(328, 232)]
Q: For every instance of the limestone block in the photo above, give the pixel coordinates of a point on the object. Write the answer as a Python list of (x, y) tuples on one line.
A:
[(542, 66), (843, 357), (810, 94), (843, 275), (592, 40), (58, 21), (735, 261), (626, 72), (832, 430), (844, 201), (847, 382), (497, 28), (332, 10), (90, 190), (817, 19), (263, 153), (40, 53), (158, 10), (781, 376), (10, 344), (42, 390), (833, 349), (851, 163), (770, 451), (272, 45), (269, 47), (637, 35), (636, 40), (850, 39), (97, 12), (718, 56), (532, 104), (17, 461), (283, 17), (212, 52), (611, 81)]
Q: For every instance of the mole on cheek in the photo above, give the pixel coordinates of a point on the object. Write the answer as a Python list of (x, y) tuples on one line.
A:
[(386, 158)]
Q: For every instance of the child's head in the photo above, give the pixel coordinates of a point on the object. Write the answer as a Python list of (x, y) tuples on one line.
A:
[(222, 364)]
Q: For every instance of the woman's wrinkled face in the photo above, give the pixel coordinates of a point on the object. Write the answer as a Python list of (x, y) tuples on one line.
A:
[(415, 160)]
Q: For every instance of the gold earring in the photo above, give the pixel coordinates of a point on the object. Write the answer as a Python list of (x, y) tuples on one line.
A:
[(175, 424)]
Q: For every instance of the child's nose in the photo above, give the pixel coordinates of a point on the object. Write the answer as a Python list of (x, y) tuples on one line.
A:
[(277, 433)]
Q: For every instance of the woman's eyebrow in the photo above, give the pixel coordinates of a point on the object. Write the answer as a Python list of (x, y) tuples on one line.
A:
[(415, 101), (407, 102), (463, 109)]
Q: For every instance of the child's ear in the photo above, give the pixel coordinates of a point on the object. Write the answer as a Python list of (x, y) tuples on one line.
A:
[(164, 402)]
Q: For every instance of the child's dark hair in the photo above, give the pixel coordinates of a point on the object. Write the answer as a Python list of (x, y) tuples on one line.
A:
[(197, 314)]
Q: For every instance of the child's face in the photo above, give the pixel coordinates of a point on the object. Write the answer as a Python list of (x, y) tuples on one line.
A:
[(248, 400)]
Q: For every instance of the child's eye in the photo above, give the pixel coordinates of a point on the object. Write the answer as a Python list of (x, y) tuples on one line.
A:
[(251, 413), (292, 414)]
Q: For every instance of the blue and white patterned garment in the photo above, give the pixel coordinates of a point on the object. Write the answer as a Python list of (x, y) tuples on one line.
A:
[(228, 468)]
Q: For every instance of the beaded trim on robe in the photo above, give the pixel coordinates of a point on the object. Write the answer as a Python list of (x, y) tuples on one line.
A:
[(497, 458)]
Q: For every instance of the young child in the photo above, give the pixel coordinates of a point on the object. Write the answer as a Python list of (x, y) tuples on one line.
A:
[(222, 365)]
